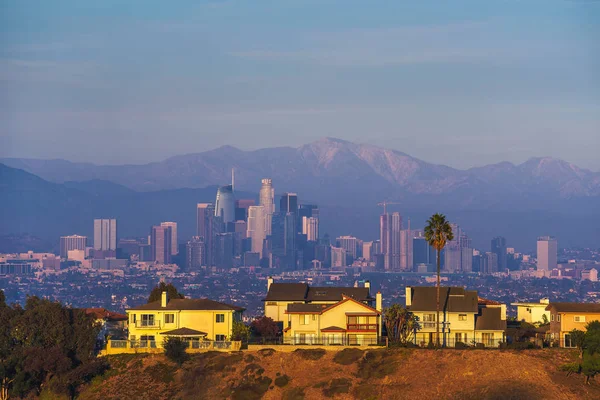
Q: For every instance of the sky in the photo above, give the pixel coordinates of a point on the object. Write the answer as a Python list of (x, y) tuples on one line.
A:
[(461, 83)]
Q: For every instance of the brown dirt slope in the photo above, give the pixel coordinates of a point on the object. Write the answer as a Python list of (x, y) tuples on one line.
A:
[(349, 374)]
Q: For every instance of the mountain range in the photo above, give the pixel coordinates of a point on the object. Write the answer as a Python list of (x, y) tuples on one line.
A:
[(540, 196)]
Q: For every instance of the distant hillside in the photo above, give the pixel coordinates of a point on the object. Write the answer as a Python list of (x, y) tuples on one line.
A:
[(34, 206), (351, 374)]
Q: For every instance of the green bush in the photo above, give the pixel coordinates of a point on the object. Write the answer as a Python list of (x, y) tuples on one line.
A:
[(311, 354), (175, 350), (282, 381), (348, 356)]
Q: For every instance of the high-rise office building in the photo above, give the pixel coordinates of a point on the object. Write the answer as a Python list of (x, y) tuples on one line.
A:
[(73, 242), (406, 249), (173, 226), (161, 244), (308, 211), (224, 250), (498, 247), (390, 226), (310, 228), (207, 227), (367, 250), (338, 257), (288, 203), (266, 198), (194, 259), (489, 263), (241, 209), (256, 228), (283, 240), (547, 253), (225, 204), (423, 253), (458, 253), (348, 243), (105, 234)]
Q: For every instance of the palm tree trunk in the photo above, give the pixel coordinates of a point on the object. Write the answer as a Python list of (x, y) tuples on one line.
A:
[(437, 318)]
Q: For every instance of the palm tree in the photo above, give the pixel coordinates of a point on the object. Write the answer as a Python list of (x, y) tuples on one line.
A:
[(438, 232)]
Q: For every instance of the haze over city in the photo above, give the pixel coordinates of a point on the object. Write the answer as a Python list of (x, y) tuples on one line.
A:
[(458, 83), (207, 199)]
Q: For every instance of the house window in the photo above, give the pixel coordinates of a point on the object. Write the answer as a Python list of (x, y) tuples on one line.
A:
[(551, 317), (220, 338), (579, 318), (558, 317), (568, 341), (133, 318), (169, 318), (462, 317), (488, 339), (460, 337), (304, 319), (314, 317), (148, 320), (220, 318), (428, 317)]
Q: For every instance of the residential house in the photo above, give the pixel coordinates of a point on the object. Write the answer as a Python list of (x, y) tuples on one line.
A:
[(564, 317), (464, 317), (533, 313), (189, 319), (324, 315), (111, 323)]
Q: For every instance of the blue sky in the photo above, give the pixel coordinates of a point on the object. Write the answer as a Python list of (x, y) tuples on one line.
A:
[(462, 83)]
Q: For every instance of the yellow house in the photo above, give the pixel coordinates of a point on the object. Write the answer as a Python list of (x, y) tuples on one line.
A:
[(464, 317), (533, 313), (347, 322), (564, 317), (189, 319), (280, 295)]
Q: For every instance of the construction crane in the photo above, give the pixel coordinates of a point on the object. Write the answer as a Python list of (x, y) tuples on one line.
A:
[(385, 204)]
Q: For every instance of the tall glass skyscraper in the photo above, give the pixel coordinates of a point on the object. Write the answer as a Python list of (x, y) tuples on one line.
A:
[(266, 201), (105, 234), (225, 204)]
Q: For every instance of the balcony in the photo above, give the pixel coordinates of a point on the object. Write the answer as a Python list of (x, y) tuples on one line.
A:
[(147, 324), (363, 327)]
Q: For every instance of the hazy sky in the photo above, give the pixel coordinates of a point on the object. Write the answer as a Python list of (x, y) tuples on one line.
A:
[(456, 82)]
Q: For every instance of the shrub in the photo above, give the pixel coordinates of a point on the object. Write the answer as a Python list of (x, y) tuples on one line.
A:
[(282, 381), (571, 368), (348, 356), (296, 393), (175, 350), (337, 386), (460, 346), (310, 354)]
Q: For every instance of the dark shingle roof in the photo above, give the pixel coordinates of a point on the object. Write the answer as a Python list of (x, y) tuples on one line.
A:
[(452, 299), (287, 292), (574, 307), (190, 304), (305, 308), (337, 293), (490, 319), (184, 332)]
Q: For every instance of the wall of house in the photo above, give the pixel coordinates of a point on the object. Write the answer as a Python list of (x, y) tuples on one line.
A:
[(568, 323), (532, 313)]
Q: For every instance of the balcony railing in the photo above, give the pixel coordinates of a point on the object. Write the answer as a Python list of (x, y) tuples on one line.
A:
[(362, 327), (147, 324), (429, 325), (118, 346)]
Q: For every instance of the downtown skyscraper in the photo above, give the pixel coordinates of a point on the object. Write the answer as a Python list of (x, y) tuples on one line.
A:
[(390, 226), (498, 247), (173, 226), (266, 198), (105, 234), (256, 229), (160, 244), (225, 204), (207, 226), (547, 253)]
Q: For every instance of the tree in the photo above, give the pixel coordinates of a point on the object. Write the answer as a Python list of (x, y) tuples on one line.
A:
[(400, 324), (175, 349), (240, 331), (578, 339), (438, 232), (156, 293), (264, 327)]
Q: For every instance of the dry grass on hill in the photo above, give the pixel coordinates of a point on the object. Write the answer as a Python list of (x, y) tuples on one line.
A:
[(348, 374)]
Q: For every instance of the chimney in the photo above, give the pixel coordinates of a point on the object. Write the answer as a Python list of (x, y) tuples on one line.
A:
[(408, 296), (269, 282), (545, 300), (368, 285), (164, 300), (378, 302)]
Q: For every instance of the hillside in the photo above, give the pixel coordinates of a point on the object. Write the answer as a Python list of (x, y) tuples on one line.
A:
[(350, 374)]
